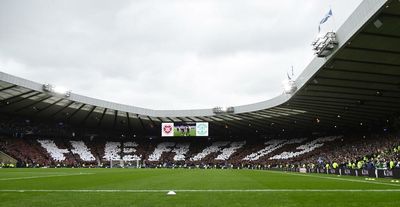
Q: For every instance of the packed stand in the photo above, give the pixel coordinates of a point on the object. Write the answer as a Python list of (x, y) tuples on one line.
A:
[(36, 144)]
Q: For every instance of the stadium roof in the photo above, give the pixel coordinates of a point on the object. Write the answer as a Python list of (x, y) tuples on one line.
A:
[(356, 86)]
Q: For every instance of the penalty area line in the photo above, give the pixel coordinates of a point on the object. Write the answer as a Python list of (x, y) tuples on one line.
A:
[(192, 190)]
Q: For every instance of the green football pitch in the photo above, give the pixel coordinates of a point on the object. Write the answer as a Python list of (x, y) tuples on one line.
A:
[(192, 133), (193, 187)]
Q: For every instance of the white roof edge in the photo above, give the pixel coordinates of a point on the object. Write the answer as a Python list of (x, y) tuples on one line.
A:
[(351, 26)]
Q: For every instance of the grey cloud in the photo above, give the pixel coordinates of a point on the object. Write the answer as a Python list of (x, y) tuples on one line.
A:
[(162, 54)]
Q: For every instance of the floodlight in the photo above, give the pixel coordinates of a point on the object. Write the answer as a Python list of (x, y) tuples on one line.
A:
[(324, 45), (223, 109), (47, 87), (60, 90), (289, 86), (57, 90)]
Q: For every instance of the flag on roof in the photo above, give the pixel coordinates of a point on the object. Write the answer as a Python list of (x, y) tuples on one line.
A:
[(326, 17)]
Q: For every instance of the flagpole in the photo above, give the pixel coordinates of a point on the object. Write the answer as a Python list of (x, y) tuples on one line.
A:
[(292, 72), (333, 20)]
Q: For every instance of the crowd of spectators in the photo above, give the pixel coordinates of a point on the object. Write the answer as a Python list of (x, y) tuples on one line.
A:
[(380, 151), (22, 139), (19, 127)]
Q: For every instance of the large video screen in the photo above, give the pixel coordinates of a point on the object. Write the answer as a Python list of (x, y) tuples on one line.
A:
[(198, 129)]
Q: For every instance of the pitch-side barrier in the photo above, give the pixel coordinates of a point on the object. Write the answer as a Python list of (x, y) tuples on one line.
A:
[(373, 173)]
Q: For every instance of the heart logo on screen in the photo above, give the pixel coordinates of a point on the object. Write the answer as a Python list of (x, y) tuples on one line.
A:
[(167, 129)]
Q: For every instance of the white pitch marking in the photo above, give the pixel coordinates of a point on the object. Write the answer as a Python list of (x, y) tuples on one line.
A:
[(171, 192), (44, 176), (197, 190), (332, 178)]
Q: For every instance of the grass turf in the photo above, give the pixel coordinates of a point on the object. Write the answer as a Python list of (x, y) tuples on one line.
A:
[(192, 133), (124, 187)]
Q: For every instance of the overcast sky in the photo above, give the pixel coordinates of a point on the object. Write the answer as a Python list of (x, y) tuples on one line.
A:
[(164, 54)]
